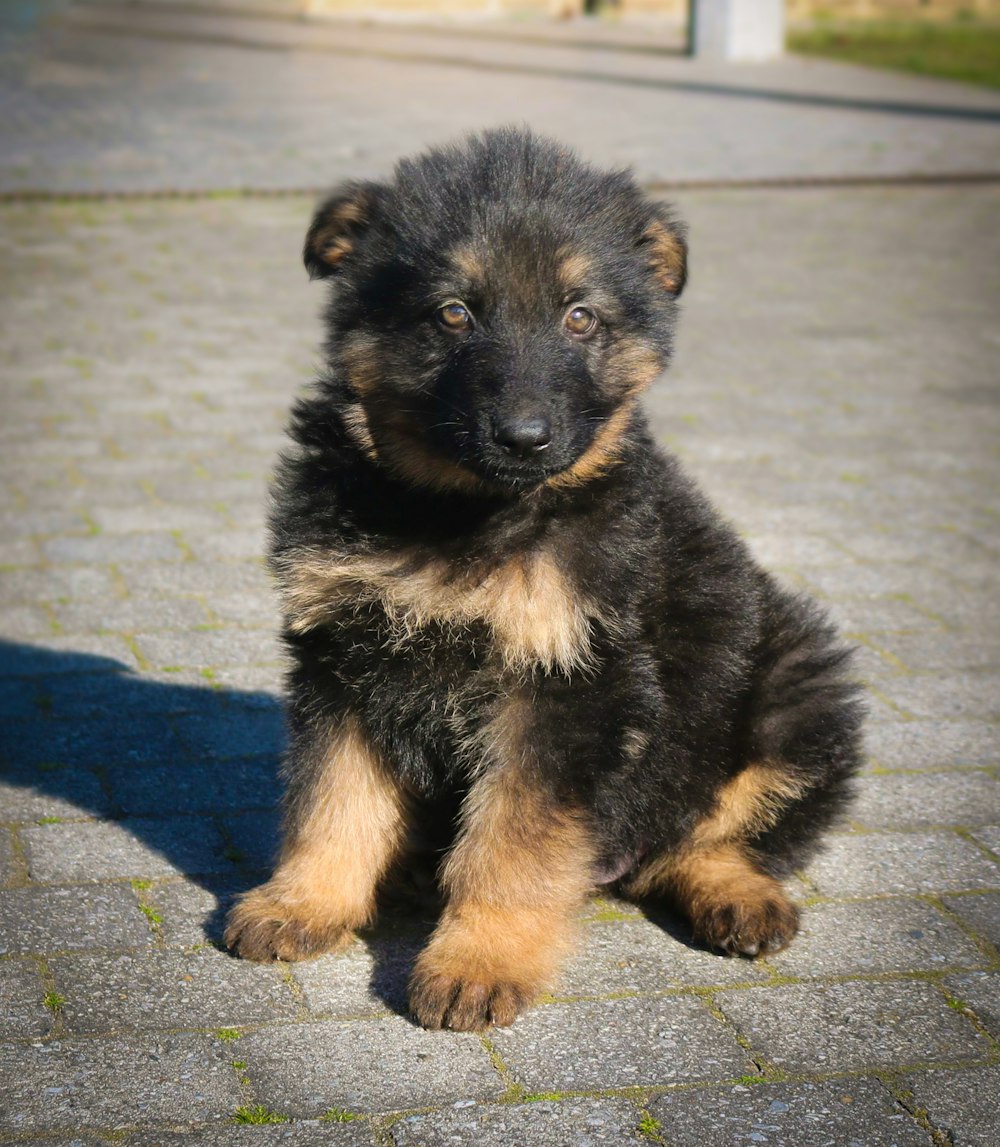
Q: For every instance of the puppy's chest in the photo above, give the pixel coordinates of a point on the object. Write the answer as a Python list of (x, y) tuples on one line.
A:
[(525, 610)]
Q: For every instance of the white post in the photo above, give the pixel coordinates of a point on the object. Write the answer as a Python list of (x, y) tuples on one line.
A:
[(738, 29)]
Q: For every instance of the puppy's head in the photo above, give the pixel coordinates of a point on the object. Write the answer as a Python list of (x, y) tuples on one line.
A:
[(500, 305)]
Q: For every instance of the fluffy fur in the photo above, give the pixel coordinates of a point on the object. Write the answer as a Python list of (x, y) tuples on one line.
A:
[(516, 626)]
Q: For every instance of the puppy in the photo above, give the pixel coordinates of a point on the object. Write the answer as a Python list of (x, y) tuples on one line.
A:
[(513, 620)]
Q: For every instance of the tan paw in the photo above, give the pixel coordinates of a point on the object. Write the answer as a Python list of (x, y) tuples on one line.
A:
[(263, 927), (446, 1001), (749, 927)]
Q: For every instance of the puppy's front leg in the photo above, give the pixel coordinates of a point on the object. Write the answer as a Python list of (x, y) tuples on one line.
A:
[(519, 870), (344, 825)]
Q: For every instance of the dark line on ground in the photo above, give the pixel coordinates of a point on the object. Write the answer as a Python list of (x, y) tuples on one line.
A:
[(778, 183)]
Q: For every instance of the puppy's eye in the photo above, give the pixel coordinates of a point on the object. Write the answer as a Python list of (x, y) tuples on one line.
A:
[(454, 317), (580, 322)]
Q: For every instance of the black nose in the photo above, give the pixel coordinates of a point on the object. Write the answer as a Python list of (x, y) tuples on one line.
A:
[(522, 436)]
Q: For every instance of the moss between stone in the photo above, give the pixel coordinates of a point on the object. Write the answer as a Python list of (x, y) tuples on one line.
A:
[(257, 1113), (338, 1115)]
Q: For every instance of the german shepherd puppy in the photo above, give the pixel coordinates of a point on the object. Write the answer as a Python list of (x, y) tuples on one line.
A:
[(514, 622)]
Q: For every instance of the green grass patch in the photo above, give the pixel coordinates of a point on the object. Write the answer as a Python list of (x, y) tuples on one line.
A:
[(151, 914), (49, 820), (258, 1113), (650, 1128), (228, 1035), (966, 50), (54, 1002), (338, 1115)]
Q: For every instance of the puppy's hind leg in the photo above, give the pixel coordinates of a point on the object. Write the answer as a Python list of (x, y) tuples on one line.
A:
[(344, 825)]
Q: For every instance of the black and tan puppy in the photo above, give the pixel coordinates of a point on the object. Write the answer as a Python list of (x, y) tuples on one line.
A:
[(514, 622)]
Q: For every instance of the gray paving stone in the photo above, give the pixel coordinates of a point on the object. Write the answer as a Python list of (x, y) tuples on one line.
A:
[(981, 991), (100, 741), (255, 837), (135, 614), (640, 955), (239, 731), (933, 744), (870, 863), (619, 1043), (365, 1066), (10, 869), (852, 1025), (305, 1134), (569, 1123), (76, 1084), (28, 794), (961, 1104), (990, 834), (369, 978), (135, 847), (205, 786), (851, 1112), (953, 696), (152, 546), (193, 912), (39, 920), (22, 1012), (951, 651), (980, 912), (210, 647), (876, 936), (154, 991), (931, 799)]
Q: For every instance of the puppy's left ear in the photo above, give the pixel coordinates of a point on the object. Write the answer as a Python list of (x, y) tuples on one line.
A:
[(664, 241), (338, 226)]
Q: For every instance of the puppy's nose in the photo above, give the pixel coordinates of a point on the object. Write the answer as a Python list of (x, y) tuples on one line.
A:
[(522, 436)]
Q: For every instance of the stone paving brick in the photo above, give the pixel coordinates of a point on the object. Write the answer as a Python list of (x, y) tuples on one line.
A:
[(78, 1084), (980, 912), (137, 614), (951, 651), (311, 1134), (869, 863), (147, 547), (207, 786), (981, 992), (22, 1012), (365, 1066), (368, 978), (76, 654), (65, 919), (962, 1105), (989, 835), (210, 647), (193, 912), (852, 1025), (876, 936), (154, 991), (952, 696), (240, 731), (135, 847), (255, 837), (569, 1123), (957, 798), (847, 1111), (619, 1043), (95, 742), (627, 956), (10, 868), (932, 744), (60, 791)]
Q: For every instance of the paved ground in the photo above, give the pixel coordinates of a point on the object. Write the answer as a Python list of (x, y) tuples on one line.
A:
[(835, 389)]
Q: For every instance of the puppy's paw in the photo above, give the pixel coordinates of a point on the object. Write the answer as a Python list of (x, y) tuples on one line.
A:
[(263, 927), (749, 927), (439, 1000)]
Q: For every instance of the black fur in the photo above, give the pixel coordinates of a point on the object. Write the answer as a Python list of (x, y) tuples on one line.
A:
[(693, 646)]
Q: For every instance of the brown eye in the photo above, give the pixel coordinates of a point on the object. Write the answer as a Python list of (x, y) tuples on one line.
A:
[(454, 317), (580, 322)]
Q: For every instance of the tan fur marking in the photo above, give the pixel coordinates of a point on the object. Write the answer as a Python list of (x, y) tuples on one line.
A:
[(666, 256), (535, 616), (331, 242), (339, 841), (632, 367), (468, 260), (519, 870), (573, 269), (356, 423), (362, 365), (602, 453), (634, 744)]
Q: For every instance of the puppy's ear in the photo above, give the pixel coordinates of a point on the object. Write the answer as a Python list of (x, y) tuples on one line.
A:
[(338, 226), (664, 242)]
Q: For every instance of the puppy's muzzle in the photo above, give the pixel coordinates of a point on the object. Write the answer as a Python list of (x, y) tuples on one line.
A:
[(522, 437)]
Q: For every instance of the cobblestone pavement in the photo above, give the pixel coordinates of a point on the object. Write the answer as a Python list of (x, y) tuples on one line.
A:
[(835, 391)]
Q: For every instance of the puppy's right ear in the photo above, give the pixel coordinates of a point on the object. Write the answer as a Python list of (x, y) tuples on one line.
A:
[(337, 227)]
